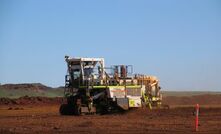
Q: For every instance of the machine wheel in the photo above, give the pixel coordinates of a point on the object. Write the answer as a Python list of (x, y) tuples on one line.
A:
[(77, 110), (66, 109)]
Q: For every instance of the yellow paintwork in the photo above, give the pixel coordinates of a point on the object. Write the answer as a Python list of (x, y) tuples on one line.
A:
[(131, 103), (131, 86)]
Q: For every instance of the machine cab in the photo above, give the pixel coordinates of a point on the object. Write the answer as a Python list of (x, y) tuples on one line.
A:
[(82, 70)]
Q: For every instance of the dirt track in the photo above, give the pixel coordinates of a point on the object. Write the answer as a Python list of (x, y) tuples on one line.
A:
[(45, 119)]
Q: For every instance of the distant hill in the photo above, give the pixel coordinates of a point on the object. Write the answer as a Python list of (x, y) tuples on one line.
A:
[(38, 89), (29, 89), (31, 86)]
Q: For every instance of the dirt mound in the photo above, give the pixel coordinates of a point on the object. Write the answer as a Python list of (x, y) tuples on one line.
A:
[(192, 100), (26, 100), (7, 101)]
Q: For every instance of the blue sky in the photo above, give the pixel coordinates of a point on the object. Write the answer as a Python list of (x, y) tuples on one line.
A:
[(178, 41)]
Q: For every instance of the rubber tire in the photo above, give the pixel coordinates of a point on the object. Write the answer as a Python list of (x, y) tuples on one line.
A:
[(66, 109)]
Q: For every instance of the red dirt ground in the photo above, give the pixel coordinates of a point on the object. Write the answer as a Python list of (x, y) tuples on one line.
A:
[(34, 116)]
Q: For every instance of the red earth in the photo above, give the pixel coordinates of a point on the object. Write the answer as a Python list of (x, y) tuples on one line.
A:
[(40, 115)]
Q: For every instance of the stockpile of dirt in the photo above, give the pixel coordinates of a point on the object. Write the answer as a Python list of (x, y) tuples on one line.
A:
[(192, 100), (26, 100)]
